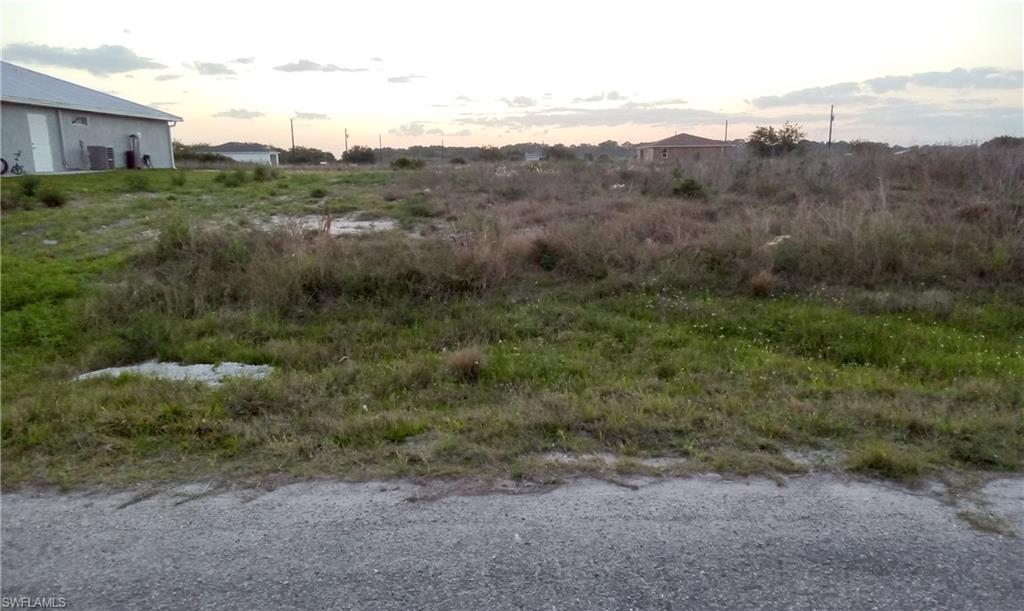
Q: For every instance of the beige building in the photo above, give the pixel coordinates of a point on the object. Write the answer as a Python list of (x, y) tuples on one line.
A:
[(680, 146)]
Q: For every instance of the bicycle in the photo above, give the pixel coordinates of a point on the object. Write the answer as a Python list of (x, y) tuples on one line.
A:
[(17, 169)]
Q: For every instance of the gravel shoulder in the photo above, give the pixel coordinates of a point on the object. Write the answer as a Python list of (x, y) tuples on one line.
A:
[(815, 542)]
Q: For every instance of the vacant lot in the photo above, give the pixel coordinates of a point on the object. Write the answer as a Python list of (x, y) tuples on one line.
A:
[(865, 309)]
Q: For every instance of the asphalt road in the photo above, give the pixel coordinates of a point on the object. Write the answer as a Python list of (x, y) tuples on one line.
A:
[(819, 542)]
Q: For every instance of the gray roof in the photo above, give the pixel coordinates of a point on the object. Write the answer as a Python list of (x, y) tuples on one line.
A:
[(24, 86), (238, 147)]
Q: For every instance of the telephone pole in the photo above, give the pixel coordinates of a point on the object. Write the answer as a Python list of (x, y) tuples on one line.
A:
[(831, 118), (346, 139), (292, 122), (725, 140)]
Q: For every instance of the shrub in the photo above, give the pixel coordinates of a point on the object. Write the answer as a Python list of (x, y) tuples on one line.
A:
[(262, 173), (764, 283), (52, 198), (404, 163), (11, 200), (468, 363), (360, 155), (135, 183), (318, 192), (457, 161), (30, 185), (231, 179), (688, 187), (179, 178)]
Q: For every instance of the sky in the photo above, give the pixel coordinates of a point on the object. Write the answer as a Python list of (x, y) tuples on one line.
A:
[(480, 73)]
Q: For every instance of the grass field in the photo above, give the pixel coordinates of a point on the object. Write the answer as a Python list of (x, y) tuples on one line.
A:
[(870, 309)]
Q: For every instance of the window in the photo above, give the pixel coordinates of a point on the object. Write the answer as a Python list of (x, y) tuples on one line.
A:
[(80, 121), (664, 153)]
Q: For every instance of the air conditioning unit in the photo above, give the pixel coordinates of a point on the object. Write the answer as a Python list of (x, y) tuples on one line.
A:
[(101, 158)]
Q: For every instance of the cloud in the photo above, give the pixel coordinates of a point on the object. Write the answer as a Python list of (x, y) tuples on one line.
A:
[(845, 93), (958, 78), (615, 95), (311, 116), (101, 60), (405, 78), (239, 113), (243, 60), (417, 129), (593, 98), (210, 68), (520, 101), (656, 104), (376, 59), (167, 77), (625, 114), (126, 31), (305, 65), (464, 98), (409, 130), (864, 93), (159, 104)]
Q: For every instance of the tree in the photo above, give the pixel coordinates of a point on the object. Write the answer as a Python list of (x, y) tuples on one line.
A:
[(302, 154), (360, 155), (559, 152), (767, 142), (491, 153)]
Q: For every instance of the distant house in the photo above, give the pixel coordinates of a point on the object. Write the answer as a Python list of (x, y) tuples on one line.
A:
[(680, 146), (50, 125), (246, 152), (533, 156)]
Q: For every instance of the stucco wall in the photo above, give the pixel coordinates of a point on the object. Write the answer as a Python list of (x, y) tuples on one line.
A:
[(14, 135), (254, 157), (102, 130), (693, 153)]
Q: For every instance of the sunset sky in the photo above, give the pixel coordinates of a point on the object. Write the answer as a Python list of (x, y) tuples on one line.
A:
[(474, 73)]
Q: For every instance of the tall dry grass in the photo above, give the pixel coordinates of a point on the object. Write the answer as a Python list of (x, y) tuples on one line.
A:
[(950, 218)]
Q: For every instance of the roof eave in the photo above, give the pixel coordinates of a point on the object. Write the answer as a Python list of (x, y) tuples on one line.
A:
[(102, 111)]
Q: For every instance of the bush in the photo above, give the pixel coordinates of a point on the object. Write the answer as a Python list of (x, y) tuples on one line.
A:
[(30, 185), (688, 187), (457, 161), (468, 363), (318, 193), (135, 183), (404, 163), (231, 179), (362, 155), (179, 178), (263, 173), (52, 198)]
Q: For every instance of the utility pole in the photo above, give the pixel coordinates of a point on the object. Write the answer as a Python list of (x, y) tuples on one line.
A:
[(346, 139), (292, 122), (380, 148), (725, 140), (831, 118)]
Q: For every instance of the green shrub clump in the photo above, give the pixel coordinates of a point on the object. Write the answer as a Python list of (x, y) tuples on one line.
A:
[(688, 187), (236, 178), (404, 163), (52, 198)]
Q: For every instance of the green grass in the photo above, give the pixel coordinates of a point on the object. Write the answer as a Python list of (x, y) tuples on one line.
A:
[(366, 385)]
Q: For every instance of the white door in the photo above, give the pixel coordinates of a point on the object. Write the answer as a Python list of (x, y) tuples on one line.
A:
[(39, 134)]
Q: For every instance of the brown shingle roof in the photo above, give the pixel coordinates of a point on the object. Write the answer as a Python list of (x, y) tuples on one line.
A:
[(684, 140)]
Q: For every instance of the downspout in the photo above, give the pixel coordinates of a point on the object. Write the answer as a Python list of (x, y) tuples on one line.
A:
[(170, 143), (60, 133)]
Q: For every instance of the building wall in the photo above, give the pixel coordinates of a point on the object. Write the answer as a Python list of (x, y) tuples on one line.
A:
[(693, 153), (101, 130), (260, 157)]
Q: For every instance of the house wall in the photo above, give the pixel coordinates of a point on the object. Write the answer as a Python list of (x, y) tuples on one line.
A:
[(102, 130), (262, 157), (692, 153)]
